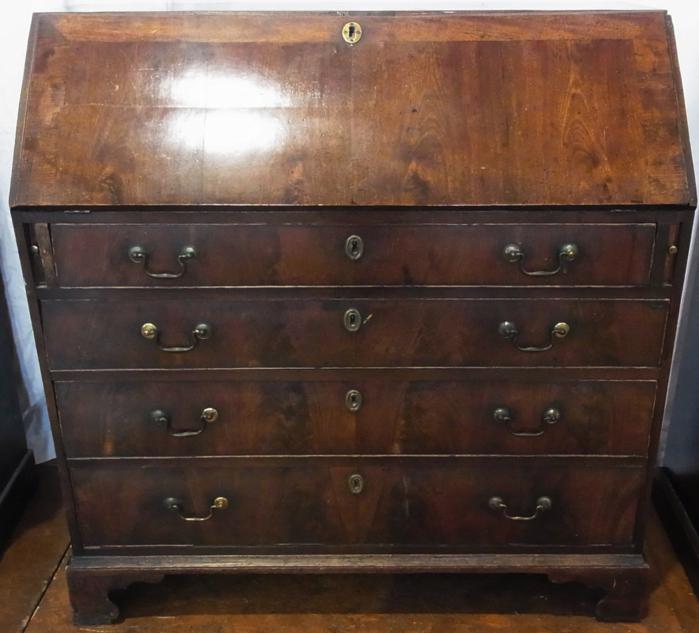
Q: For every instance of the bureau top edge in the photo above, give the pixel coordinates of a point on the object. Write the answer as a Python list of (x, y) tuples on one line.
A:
[(81, 209)]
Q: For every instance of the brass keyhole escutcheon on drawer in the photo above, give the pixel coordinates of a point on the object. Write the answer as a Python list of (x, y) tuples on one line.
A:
[(356, 483), (352, 32), (353, 400), (352, 320), (354, 247)]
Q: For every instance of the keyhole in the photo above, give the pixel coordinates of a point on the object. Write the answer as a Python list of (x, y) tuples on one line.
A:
[(355, 483), (351, 32), (354, 247), (352, 320), (353, 400)]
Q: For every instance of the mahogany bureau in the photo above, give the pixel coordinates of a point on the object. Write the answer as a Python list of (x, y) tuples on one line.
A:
[(378, 292)]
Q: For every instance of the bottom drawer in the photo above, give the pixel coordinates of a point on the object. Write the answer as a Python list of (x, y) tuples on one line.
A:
[(322, 503)]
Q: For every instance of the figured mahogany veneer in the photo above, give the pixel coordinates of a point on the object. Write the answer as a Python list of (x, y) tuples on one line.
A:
[(393, 254), (500, 109), (311, 333), (427, 504), (394, 417), (422, 289)]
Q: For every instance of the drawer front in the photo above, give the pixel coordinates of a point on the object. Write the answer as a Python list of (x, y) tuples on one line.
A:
[(415, 254), (87, 334), (331, 501), (364, 417)]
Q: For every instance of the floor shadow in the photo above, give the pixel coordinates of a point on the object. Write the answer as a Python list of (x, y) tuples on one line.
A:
[(45, 503)]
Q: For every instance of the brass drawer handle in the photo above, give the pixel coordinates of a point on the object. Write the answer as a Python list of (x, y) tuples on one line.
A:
[(508, 330), (543, 504), (353, 400), (549, 416), (354, 247), (355, 482), (139, 255), (177, 505), (162, 417), (513, 253), (201, 332)]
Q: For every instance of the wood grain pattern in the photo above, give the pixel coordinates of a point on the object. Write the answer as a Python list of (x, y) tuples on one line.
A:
[(393, 254), (564, 109), (307, 333), (405, 501), (262, 140), (112, 419)]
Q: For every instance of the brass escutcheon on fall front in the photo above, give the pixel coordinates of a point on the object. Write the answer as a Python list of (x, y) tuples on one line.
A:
[(352, 32)]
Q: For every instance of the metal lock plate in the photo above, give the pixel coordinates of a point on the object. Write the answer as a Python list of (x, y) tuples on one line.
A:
[(352, 32), (352, 320), (354, 247), (353, 400), (355, 482)]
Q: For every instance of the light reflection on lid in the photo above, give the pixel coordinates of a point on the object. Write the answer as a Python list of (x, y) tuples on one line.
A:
[(199, 88), (222, 113)]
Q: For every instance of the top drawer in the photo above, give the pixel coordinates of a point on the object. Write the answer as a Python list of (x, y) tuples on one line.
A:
[(362, 255)]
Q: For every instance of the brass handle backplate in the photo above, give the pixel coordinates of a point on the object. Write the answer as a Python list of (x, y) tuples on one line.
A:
[(354, 247), (508, 330), (355, 482), (567, 253), (201, 332), (549, 416), (177, 505), (209, 414), (543, 504), (139, 255), (353, 400)]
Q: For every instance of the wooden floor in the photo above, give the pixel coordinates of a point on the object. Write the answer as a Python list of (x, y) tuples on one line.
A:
[(33, 596)]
